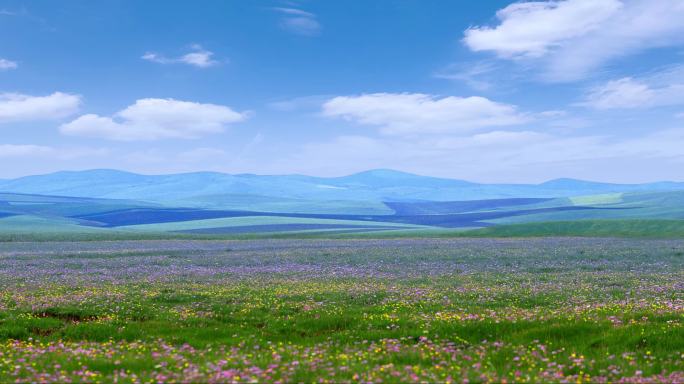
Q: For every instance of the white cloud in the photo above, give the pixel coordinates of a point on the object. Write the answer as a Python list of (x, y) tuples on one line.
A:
[(13, 150), (532, 28), (233, 159), (16, 107), (155, 160), (665, 143), (298, 21), (622, 93), (198, 57), (499, 156), (152, 119), (32, 151), (475, 75), (294, 12), (408, 113), (202, 154), (7, 64), (663, 88), (304, 103), (301, 25), (156, 58), (572, 38)]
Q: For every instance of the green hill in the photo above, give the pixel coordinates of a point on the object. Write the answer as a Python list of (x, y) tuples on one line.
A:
[(629, 214)]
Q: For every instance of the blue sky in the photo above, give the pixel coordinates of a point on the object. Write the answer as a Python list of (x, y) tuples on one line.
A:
[(490, 91)]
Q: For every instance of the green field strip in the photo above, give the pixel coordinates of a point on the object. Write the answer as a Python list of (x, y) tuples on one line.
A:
[(254, 220), (36, 224)]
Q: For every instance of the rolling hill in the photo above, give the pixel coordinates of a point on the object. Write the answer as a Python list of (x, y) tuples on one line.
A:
[(104, 201)]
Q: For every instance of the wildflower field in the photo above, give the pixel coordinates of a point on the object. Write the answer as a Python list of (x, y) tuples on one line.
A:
[(408, 310)]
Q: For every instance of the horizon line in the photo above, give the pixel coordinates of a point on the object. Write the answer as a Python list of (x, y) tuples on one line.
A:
[(561, 178)]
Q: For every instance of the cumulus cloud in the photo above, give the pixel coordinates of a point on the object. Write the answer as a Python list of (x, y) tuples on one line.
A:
[(152, 119), (198, 57), (298, 21), (409, 113), (7, 64), (663, 88), (15, 107), (571, 38)]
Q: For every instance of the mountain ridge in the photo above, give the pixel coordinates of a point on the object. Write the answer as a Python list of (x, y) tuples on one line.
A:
[(375, 171), (370, 185)]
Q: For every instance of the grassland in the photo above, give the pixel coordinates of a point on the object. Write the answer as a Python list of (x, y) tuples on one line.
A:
[(588, 228), (19, 229), (406, 310)]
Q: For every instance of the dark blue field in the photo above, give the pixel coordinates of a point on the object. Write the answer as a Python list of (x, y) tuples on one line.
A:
[(443, 207), (136, 216), (287, 228)]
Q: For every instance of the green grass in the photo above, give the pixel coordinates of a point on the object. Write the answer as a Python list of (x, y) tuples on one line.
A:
[(608, 198), (459, 308), (33, 228), (34, 224), (283, 205), (252, 220), (626, 206), (588, 228)]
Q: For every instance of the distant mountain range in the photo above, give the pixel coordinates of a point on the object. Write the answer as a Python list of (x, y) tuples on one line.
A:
[(102, 202), (381, 185)]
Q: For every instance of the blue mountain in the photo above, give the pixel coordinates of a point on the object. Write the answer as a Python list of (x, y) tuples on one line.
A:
[(372, 186)]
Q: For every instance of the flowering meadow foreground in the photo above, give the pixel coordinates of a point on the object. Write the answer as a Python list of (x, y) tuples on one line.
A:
[(415, 310)]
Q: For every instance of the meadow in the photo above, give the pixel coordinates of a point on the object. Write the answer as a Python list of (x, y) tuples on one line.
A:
[(346, 310)]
